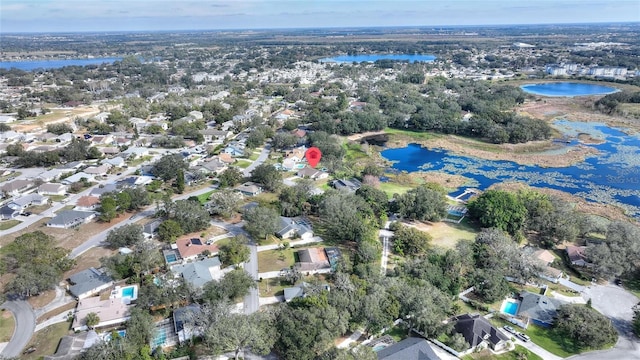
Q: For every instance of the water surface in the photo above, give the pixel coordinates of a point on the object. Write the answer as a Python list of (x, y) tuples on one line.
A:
[(567, 89), (374, 58), (29, 65)]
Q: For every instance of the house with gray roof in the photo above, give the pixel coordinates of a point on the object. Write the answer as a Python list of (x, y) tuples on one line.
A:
[(412, 348), (78, 177), (479, 333), (88, 282), (52, 189), (249, 189), (7, 213), (350, 185), (539, 309), (149, 229), (24, 202), (186, 322), (198, 272), (97, 191), (16, 187), (294, 227), (71, 218)]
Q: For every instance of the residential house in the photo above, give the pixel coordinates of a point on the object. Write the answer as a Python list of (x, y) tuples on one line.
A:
[(214, 135), (313, 174), (71, 218), (185, 322), (412, 348), (52, 189), (24, 202), (134, 181), (200, 272), (295, 155), (294, 227), (291, 293), (65, 138), (215, 166), (116, 162), (78, 177), (135, 152), (192, 248), (101, 170), (88, 282), (71, 346), (299, 133), (544, 258), (249, 189), (577, 256), (110, 150), (102, 139), (101, 189), (234, 150), (312, 259), (226, 158), (74, 165), (539, 309), (7, 213), (479, 333), (16, 187), (112, 311), (351, 185), (51, 175), (87, 203), (149, 229)]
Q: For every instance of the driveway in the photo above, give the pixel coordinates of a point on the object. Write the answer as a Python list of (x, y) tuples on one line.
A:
[(25, 326), (617, 304)]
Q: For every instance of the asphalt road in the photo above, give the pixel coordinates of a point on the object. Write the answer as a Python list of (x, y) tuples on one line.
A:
[(617, 304), (25, 326), (264, 154)]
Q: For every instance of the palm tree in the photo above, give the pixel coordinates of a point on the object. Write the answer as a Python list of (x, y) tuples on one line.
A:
[(92, 320)]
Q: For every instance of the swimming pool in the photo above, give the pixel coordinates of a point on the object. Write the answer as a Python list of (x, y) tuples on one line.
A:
[(171, 258), (510, 307), (160, 338), (129, 293), (379, 347)]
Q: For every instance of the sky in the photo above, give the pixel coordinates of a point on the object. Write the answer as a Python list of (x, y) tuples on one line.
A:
[(136, 15)]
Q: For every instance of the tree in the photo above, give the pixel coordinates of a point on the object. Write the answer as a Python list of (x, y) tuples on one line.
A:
[(237, 332), (377, 200), (235, 251), (189, 214), (499, 209), (261, 221), (108, 208), (140, 327), (169, 230), (346, 217), (169, 166), (619, 253), (230, 177), (180, 181), (410, 241), (587, 328), (124, 236), (422, 203), (234, 285), (224, 203), (92, 319), (283, 140), (59, 129), (36, 264), (268, 176), (4, 127)]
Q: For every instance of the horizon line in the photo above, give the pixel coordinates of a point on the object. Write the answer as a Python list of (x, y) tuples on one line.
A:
[(2, 33)]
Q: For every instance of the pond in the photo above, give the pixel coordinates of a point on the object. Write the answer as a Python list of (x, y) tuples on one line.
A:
[(29, 65), (374, 58), (567, 89), (610, 177)]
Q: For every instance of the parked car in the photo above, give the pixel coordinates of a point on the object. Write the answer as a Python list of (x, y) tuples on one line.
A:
[(523, 337), (509, 329), (26, 213)]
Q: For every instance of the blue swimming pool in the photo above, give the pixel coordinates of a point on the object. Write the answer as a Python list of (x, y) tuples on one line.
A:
[(160, 338), (128, 292), (510, 307), (379, 347), (171, 258)]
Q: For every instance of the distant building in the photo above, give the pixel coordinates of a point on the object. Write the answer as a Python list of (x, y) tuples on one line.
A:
[(577, 257), (249, 189)]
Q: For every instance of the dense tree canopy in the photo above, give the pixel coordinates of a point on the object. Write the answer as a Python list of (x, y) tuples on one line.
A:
[(499, 209), (587, 328), (124, 236), (261, 221), (422, 203), (268, 176)]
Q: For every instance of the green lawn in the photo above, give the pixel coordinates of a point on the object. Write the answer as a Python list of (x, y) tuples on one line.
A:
[(57, 198), (546, 338), (398, 333), (254, 155), (354, 151), (446, 234), (412, 134), (7, 324), (272, 287), (203, 198), (243, 163), (274, 260), (520, 352), (46, 340), (392, 188), (8, 224)]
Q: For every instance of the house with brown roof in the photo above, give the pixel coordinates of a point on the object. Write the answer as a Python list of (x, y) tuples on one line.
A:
[(545, 257), (191, 248), (226, 158), (87, 203), (299, 133), (98, 170), (312, 259), (112, 311), (577, 257)]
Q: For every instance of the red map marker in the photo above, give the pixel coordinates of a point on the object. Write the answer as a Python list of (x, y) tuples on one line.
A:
[(313, 156)]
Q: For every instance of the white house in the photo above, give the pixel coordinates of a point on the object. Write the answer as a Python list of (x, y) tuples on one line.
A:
[(52, 189), (77, 177)]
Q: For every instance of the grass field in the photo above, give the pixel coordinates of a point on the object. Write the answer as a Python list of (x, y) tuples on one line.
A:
[(546, 338), (7, 324), (393, 188), (203, 198), (8, 224), (272, 287), (411, 134), (446, 234), (274, 260), (243, 163), (46, 340)]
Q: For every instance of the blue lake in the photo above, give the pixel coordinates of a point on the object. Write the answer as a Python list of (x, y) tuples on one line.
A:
[(374, 58), (29, 65), (567, 89), (611, 177)]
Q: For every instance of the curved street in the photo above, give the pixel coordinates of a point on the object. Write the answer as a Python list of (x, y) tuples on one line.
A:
[(25, 326)]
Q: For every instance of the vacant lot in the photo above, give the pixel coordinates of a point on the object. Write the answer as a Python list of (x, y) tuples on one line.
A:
[(46, 340), (446, 234), (274, 260)]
